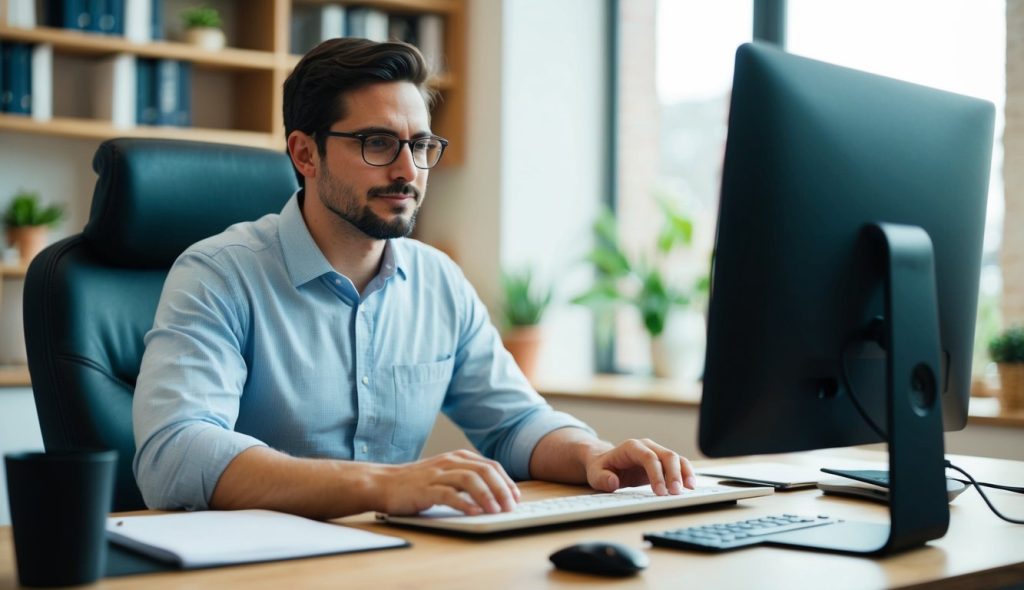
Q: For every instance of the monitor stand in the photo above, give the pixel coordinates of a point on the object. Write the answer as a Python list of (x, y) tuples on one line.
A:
[(918, 505)]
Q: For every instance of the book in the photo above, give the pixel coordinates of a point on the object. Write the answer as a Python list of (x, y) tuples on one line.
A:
[(214, 538), (311, 25), (114, 15), (156, 13), (166, 80), (403, 27), (17, 78), (430, 40), (368, 23), (101, 16), (68, 14), (138, 21), (42, 82), (145, 92), (18, 13), (183, 110), (115, 88)]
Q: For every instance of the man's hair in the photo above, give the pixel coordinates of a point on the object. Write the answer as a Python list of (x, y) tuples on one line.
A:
[(315, 90)]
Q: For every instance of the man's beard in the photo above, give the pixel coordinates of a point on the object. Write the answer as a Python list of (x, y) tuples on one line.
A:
[(341, 199)]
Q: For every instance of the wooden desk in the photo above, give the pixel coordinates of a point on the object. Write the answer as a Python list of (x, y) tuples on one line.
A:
[(979, 551)]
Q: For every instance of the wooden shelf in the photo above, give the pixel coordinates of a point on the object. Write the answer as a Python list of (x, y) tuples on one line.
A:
[(14, 376), (80, 43), (13, 271), (439, 6), (102, 130)]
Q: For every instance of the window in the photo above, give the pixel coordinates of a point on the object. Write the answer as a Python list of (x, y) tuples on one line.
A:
[(954, 45), (674, 74)]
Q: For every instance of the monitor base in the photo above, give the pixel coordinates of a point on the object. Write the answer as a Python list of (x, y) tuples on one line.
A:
[(860, 538)]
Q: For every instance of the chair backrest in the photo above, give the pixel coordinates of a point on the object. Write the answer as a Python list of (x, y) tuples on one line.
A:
[(91, 298)]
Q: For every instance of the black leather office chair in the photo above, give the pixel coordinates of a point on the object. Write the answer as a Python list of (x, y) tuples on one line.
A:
[(90, 298)]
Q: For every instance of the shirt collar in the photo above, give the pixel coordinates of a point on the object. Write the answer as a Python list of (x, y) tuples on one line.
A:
[(302, 256), (306, 262), (393, 260)]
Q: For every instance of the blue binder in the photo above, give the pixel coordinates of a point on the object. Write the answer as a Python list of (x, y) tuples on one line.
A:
[(17, 72)]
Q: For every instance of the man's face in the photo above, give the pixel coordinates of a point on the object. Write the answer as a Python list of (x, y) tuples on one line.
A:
[(380, 201)]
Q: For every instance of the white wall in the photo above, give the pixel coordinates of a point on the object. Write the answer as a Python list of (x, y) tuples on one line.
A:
[(530, 187), (462, 206), (553, 164)]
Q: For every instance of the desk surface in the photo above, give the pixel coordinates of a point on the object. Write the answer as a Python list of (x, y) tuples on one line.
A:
[(979, 551)]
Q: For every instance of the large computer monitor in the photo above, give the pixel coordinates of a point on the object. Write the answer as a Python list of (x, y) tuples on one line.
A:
[(849, 233)]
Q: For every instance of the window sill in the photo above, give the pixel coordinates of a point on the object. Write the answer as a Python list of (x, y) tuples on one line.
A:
[(633, 389)]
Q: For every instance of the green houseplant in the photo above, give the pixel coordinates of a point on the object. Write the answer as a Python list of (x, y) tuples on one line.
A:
[(642, 282), (202, 26), (1007, 350), (523, 307), (27, 222)]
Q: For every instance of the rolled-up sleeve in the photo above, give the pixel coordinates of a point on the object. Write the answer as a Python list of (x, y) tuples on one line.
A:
[(189, 387), (491, 399)]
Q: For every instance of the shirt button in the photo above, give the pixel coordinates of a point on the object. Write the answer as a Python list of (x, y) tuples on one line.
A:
[(337, 281), (366, 380), (366, 449)]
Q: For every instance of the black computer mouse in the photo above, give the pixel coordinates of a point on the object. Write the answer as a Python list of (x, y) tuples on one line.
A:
[(600, 558)]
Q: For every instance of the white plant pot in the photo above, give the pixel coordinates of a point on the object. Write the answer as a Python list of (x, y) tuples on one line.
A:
[(208, 38), (678, 352)]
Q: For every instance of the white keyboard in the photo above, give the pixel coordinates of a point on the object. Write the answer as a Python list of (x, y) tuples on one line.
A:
[(569, 509)]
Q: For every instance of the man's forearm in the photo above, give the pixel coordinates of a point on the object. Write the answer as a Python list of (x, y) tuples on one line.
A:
[(260, 477), (562, 455)]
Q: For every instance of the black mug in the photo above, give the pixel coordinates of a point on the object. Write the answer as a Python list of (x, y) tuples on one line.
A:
[(59, 506)]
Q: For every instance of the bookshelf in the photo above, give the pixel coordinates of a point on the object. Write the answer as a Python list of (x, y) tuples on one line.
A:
[(236, 93)]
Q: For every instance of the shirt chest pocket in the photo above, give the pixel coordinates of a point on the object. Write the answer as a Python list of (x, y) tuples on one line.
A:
[(419, 392)]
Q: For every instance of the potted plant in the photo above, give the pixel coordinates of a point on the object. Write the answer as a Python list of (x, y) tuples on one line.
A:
[(1007, 350), (523, 308), (27, 223), (202, 27), (644, 285)]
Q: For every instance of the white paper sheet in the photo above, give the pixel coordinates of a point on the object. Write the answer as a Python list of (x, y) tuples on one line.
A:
[(213, 537)]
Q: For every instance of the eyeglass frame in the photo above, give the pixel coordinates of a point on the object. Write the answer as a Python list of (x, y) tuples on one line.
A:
[(401, 143)]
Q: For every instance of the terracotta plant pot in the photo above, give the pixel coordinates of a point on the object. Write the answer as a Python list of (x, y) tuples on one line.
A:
[(30, 240), (523, 342), (1011, 386)]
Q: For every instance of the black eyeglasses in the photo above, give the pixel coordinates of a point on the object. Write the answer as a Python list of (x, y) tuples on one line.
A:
[(381, 149)]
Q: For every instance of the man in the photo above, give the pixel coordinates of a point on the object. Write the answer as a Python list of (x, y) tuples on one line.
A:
[(297, 363)]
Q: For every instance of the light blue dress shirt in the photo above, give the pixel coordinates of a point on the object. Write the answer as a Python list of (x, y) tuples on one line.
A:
[(258, 341)]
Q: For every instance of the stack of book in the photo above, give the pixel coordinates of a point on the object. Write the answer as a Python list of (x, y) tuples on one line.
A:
[(313, 24), (138, 20), (163, 92), (132, 91)]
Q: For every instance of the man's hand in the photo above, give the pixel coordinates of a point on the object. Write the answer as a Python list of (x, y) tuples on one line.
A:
[(461, 479), (638, 462), (573, 455)]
